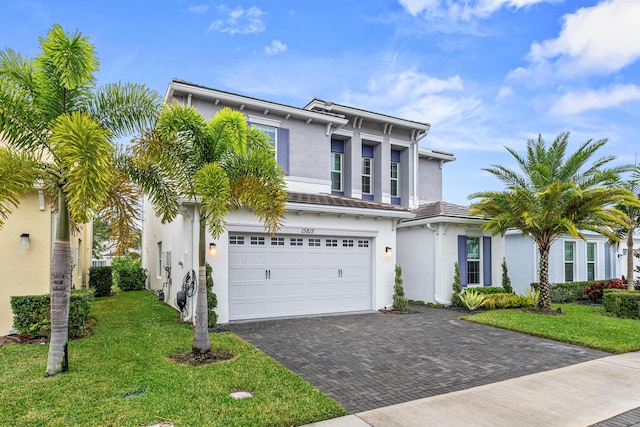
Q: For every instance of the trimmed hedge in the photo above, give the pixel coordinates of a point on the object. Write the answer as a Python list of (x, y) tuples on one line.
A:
[(100, 280), (565, 292), (505, 300), (622, 303), (486, 290), (32, 313), (132, 279)]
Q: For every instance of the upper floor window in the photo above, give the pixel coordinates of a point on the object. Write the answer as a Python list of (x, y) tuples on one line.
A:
[(336, 172), (395, 182), (569, 261), (270, 131), (591, 261), (367, 165)]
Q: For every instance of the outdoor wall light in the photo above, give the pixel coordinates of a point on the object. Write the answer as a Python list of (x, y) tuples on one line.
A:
[(212, 248), (24, 239), (387, 251)]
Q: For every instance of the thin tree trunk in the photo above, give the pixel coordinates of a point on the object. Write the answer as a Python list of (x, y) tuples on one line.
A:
[(60, 292), (545, 298), (201, 341), (630, 260)]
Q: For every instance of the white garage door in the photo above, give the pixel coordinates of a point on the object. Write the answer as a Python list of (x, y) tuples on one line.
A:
[(293, 275)]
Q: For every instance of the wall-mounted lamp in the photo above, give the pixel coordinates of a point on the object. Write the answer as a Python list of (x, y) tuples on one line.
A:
[(212, 248), (24, 239), (387, 251)]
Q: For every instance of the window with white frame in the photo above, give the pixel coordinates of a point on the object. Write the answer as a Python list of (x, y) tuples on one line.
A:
[(367, 181), (395, 182), (271, 133), (591, 261), (569, 261), (336, 172), (159, 264), (473, 260)]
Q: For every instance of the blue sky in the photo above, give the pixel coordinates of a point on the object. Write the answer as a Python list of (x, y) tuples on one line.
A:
[(485, 73)]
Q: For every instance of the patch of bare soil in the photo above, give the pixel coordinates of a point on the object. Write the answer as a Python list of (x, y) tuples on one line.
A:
[(546, 311), (196, 359)]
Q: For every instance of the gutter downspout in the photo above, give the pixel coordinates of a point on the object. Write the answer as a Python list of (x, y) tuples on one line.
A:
[(438, 270)]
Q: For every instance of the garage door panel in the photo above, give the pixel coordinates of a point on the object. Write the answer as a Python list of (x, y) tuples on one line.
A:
[(293, 275)]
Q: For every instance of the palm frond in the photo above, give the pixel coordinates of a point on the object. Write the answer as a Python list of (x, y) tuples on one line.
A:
[(121, 211), (18, 176), (212, 185)]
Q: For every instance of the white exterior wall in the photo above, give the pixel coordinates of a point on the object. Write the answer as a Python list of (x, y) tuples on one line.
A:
[(174, 237), (428, 254)]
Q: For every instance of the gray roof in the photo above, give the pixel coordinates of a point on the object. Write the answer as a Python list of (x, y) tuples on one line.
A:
[(349, 202), (440, 209)]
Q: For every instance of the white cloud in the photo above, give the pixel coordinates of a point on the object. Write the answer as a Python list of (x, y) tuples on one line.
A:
[(240, 21), (201, 8), (505, 92), (275, 47), (601, 39), (464, 10), (577, 102)]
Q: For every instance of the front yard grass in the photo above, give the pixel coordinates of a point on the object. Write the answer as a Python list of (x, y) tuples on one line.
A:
[(588, 326), (121, 376)]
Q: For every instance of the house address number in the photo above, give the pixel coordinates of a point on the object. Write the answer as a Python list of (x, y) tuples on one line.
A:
[(308, 231)]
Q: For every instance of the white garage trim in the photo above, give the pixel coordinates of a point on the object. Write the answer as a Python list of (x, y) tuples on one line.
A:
[(304, 231)]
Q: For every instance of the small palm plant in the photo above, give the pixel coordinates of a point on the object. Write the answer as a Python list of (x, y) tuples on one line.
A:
[(473, 300)]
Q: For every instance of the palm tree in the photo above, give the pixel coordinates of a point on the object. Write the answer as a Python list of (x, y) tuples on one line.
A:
[(633, 214), (59, 131), (221, 165), (555, 194)]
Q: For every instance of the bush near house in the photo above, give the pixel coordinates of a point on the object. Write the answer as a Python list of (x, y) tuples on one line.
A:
[(32, 313), (495, 301), (100, 280), (123, 263), (132, 279), (565, 292), (486, 290), (622, 303), (400, 302), (594, 291), (212, 298)]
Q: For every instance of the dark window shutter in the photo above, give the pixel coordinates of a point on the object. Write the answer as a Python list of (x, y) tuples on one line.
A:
[(486, 260), (462, 259), (337, 146), (283, 149), (395, 155), (367, 151)]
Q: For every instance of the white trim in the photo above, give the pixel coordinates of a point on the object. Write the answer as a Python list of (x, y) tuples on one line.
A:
[(370, 137), (442, 219), (263, 121), (343, 132), (362, 212), (302, 231)]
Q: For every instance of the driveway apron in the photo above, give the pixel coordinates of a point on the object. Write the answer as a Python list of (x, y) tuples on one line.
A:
[(367, 361)]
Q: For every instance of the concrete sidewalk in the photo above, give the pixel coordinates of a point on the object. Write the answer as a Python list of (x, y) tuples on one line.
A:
[(578, 395)]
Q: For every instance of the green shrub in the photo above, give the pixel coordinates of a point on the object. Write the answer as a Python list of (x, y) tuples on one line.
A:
[(485, 290), (132, 278), (100, 280), (122, 263), (416, 302), (595, 290), (506, 281), (434, 305), (472, 300), (562, 293), (622, 303), (455, 286), (504, 300), (32, 313), (400, 302), (212, 298)]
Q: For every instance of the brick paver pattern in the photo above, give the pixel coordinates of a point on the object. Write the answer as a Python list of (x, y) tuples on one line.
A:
[(367, 361)]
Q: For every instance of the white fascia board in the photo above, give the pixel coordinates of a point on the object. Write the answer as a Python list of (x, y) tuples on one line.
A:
[(258, 104), (443, 219), (337, 210), (440, 155)]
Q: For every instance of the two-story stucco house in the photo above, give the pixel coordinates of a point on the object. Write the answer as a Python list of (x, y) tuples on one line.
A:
[(354, 178)]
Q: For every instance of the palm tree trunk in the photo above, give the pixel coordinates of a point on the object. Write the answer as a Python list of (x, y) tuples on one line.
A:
[(60, 292), (201, 341), (630, 260), (545, 298)]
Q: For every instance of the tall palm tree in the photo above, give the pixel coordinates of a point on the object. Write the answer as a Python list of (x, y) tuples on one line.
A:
[(554, 194), (633, 214), (221, 165), (59, 132)]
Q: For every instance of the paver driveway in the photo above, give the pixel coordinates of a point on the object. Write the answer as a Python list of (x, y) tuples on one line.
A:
[(366, 361)]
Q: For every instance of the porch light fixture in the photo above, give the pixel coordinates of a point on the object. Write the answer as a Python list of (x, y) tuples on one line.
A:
[(212, 248), (387, 251), (24, 239)]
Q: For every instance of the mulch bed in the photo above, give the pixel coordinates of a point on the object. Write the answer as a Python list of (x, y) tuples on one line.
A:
[(211, 356), (22, 339)]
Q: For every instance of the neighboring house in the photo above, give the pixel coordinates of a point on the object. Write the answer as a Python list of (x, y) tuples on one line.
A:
[(352, 176), (26, 244), (570, 259), (440, 235)]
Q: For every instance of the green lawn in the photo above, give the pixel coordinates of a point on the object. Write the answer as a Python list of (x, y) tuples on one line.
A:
[(127, 354), (588, 326)]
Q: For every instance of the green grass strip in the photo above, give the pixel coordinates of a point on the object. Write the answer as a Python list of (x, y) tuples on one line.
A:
[(121, 376)]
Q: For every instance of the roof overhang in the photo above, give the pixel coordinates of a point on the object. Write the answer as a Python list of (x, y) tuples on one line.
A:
[(350, 211), (232, 99), (443, 220), (436, 155)]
